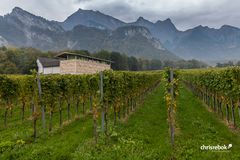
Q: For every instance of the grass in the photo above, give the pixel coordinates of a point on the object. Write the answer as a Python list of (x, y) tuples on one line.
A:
[(16, 141), (200, 127), (144, 135), (56, 146), (17, 129)]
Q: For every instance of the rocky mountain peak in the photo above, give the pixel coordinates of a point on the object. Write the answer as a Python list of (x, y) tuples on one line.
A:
[(142, 20), (91, 18), (228, 27), (166, 23), (201, 28), (22, 28), (80, 10), (168, 20), (134, 30), (17, 11), (18, 16)]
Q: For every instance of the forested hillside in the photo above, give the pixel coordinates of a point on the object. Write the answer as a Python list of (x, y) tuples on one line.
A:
[(22, 60)]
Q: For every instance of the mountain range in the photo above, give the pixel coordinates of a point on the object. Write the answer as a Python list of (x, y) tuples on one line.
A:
[(94, 31)]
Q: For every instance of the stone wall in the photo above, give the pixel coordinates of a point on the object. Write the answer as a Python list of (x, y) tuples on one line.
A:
[(51, 70), (78, 66)]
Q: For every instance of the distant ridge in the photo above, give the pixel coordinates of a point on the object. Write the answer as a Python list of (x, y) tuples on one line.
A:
[(93, 30)]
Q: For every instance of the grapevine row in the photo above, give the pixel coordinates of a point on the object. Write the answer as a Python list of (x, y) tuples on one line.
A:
[(218, 88), (110, 93), (171, 92)]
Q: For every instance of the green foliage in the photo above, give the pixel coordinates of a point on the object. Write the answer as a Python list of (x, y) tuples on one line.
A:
[(8, 88), (22, 60), (171, 92), (143, 136), (219, 89), (19, 60), (72, 89), (197, 126), (6, 146), (223, 82), (122, 62)]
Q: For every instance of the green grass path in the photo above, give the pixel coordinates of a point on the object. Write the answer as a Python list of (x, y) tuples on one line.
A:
[(198, 127), (143, 136)]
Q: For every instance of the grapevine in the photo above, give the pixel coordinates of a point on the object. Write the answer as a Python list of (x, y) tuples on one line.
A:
[(122, 93)]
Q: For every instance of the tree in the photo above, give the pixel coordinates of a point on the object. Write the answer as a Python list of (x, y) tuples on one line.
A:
[(133, 64), (8, 68), (144, 64), (156, 64), (120, 61), (238, 63), (227, 64), (103, 54), (169, 63), (3, 48)]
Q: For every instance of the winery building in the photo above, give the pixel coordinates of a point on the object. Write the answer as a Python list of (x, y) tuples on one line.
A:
[(71, 63)]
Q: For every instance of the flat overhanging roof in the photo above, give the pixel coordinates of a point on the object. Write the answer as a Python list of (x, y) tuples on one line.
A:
[(49, 62), (66, 54)]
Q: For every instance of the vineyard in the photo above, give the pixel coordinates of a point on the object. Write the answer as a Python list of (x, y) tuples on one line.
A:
[(219, 89), (120, 115)]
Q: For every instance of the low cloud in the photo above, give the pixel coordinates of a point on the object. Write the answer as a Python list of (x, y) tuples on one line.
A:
[(184, 13)]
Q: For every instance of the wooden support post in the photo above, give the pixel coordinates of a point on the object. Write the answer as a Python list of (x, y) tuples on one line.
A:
[(101, 101), (227, 113), (90, 99), (60, 111), (41, 103), (220, 106), (239, 108), (171, 110), (233, 113)]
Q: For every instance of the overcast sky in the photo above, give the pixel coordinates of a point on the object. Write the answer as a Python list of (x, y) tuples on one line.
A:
[(184, 13)]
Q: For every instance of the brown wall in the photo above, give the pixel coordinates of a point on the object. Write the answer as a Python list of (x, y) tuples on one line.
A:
[(82, 66)]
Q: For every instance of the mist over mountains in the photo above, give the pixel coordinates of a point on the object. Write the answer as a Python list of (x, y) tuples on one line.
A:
[(94, 31)]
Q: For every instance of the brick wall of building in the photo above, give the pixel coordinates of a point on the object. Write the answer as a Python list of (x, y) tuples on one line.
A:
[(78, 66)]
